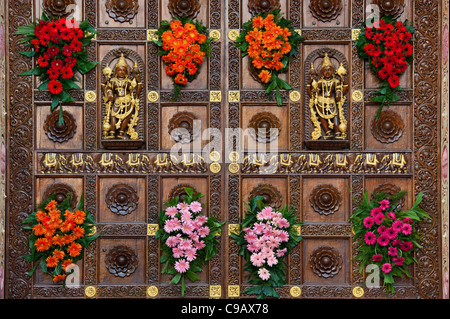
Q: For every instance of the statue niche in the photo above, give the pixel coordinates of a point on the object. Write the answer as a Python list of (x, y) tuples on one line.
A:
[(327, 89), (121, 93)]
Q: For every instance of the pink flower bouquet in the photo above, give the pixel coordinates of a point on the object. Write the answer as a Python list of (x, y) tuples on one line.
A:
[(386, 236), (188, 238), (266, 238)]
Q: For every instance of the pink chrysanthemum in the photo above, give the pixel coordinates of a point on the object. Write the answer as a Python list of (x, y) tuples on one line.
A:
[(272, 261), (368, 222), (383, 240), (281, 252), (391, 233), (406, 229), (377, 258), (257, 260), (392, 251), (387, 267), (379, 218), (370, 238), (171, 211), (196, 207), (264, 274), (203, 231), (398, 261), (384, 204), (181, 266)]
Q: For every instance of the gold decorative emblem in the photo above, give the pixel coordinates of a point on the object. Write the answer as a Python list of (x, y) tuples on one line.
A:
[(299, 32), (234, 168), (295, 96), (355, 34), (215, 168), (233, 291), (90, 96), (153, 96), (151, 35), (93, 231), (298, 229), (295, 291), (234, 96), (215, 34), (233, 156), (90, 291), (358, 292), (214, 156), (152, 229), (215, 291), (215, 96), (152, 291), (234, 229), (233, 34), (357, 96)]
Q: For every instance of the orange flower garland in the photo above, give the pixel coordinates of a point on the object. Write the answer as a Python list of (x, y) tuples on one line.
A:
[(57, 239), (183, 44), (269, 43)]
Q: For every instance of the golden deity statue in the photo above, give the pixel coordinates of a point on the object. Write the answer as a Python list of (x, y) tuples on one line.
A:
[(121, 97), (327, 98)]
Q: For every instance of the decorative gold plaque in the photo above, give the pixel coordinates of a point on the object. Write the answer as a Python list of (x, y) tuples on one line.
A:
[(90, 291), (153, 96), (234, 168), (152, 291), (234, 96), (215, 96), (233, 156), (214, 156), (233, 291), (93, 231), (215, 34), (215, 168), (234, 229), (215, 291), (298, 228), (357, 95), (90, 96), (355, 34), (299, 32), (151, 35), (233, 34), (152, 229), (295, 291), (295, 96), (358, 292)]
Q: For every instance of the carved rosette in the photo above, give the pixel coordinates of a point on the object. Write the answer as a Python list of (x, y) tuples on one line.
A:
[(325, 10), (181, 128), (122, 199), (391, 7), (271, 195), (258, 6), (325, 199), (61, 190), (180, 192), (121, 261), (122, 10), (187, 8), (60, 133), (326, 261), (266, 127), (390, 190), (59, 8), (388, 128)]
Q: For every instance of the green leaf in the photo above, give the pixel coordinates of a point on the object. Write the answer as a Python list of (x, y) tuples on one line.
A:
[(29, 54), (192, 276), (85, 67), (36, 71), (175, 279)]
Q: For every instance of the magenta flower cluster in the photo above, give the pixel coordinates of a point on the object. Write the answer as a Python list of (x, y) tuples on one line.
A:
[(265, 238), (386, 230), (187, 228)]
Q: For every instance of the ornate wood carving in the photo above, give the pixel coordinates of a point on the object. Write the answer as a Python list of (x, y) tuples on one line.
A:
[(59, 8), (272, 196), (187, 8), (259, 6), (325, 199), (60, 133), (61, 190), (325, 10), (122, 10), (390, 190), (265, 127), (121, 261), (388, 128), (326, 262), (180, 192), (122, 199), (182, 129), (391, 7)]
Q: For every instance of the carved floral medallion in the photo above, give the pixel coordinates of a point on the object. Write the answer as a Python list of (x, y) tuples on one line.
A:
[(325, 10), (122, 199), (326, 262), (266, 127), (122, 10), (61, 190), (180, 192), (121, 261), (391, 7), (390, 190), (325, 199), (388, 128), (187, 8), (271, 195), (59, 8), (182, 129), (57, 132), (258, 6)]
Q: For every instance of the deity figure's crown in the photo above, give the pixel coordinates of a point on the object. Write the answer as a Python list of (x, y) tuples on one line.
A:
[(121, 62), (327, 62)]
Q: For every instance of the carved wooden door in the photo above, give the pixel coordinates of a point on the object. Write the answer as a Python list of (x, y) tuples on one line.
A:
[(124, 185)]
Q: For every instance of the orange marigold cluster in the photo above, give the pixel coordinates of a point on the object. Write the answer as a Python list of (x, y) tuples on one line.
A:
[(185, 55), (268, 44), (57, 234)]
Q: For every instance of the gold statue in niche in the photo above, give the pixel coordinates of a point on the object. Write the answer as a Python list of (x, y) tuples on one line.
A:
[(327, 98), (121, 97)]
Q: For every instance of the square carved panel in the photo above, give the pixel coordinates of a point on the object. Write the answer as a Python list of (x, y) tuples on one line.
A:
[(121, 13), (274, 191), (391, 185), (60, 187), (174, 186), (326, 13)]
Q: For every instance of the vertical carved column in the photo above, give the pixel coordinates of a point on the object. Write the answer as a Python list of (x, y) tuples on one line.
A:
[(295, 259), (153, 208), (90, 263)]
